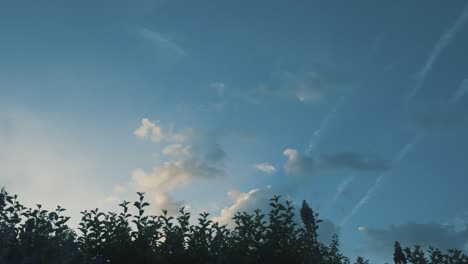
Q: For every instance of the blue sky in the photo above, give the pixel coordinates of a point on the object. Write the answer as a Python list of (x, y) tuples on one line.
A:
[(358, 107)]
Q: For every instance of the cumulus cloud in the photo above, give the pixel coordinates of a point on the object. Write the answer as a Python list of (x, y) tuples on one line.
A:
[(303, 165), (250, 201), (259, 198), (297, 163), (163, 179), (150, 130), (265, 167), (184, 163), (161, 40), (154, 132), (444, 237)]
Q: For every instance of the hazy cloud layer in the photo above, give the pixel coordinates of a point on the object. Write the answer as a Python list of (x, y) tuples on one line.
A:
[(380, 241), (215, 153), (439, 121), (40, 161), (303, 165)]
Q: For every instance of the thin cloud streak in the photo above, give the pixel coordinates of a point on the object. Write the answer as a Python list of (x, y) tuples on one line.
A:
[(439, 47), (342, 186), (159, 39), (370, 192), (313, 142), (461, 91)]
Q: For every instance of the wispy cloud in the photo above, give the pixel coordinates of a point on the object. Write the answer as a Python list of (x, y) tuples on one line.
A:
[(153, 130), (342, 186), (159, 39), (461, 91), (370, 192), (219, 87), (265, 167), (313, 142), (439, 47), (313, 86)]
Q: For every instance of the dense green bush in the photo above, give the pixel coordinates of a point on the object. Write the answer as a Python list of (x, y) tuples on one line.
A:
[(38, 236)]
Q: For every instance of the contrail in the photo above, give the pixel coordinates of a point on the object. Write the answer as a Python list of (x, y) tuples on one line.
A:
[(461, 91), (370, 192), (342, 186), (440, 45), (313, 142)]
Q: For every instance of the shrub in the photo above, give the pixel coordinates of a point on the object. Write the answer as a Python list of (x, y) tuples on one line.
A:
[(35, 235)]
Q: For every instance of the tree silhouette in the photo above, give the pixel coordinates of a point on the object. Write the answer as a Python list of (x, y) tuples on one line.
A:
[(35, 235)]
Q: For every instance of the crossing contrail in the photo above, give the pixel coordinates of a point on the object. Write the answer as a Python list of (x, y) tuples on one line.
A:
[(370, 192), (439, 47)]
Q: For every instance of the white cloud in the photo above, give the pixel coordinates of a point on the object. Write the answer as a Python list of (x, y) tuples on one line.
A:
[(158, 183), (154, 132), (149, 130), (249, 201), (259, 198), (265, 167), (297, 163), (158, 39), (178, 150), (184, 164)]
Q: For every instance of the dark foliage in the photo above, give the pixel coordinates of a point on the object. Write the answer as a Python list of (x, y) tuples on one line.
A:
[(35, 235)]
